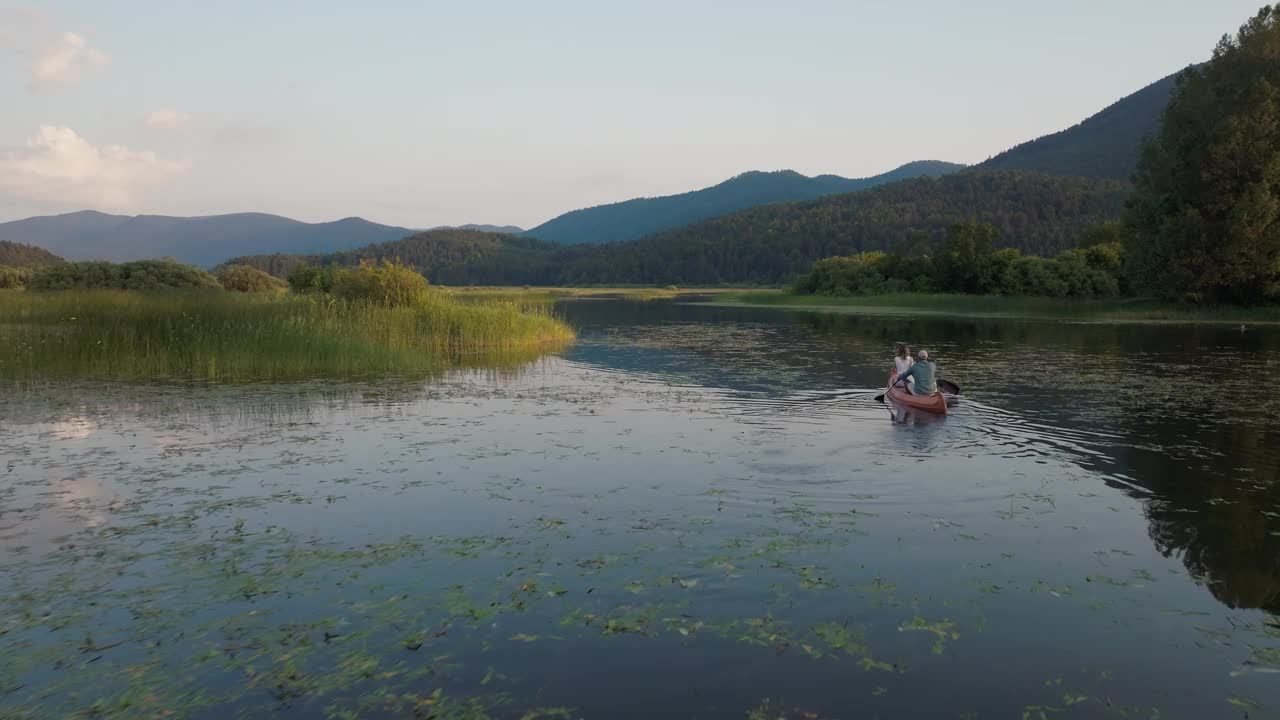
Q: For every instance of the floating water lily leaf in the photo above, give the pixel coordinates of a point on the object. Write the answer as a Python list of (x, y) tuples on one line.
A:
[(1242, 702), (943, 630)]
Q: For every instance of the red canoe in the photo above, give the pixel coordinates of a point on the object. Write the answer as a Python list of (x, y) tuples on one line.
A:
[(934, 403)]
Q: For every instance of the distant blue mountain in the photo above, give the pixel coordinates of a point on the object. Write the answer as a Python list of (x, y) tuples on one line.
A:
[(205, 241), (645, 216)]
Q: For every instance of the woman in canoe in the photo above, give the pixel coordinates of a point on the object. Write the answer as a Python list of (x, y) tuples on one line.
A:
[(902, 360)]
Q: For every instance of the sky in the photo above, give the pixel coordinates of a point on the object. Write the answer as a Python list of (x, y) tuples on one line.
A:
[(425, 112)]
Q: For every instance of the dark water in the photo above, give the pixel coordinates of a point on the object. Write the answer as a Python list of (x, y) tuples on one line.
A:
[(695, 512)]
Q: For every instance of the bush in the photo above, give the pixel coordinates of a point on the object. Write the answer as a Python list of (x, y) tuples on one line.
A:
[(137, 275), (968, 264), (389, 284), (14, 277), (860, 274), (242, 278), (307, 279)]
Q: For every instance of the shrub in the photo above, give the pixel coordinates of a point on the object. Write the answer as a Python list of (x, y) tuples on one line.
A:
[(860, 274), (388, 283), (307, 279), (242, 278), (137, 275), (14, 277)]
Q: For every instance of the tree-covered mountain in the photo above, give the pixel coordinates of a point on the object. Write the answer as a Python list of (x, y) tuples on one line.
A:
[(637, 218), (505, 229), (1036, 213), (90, 235), (20, 255), (449, 256), (770, 244), (1105, 145)]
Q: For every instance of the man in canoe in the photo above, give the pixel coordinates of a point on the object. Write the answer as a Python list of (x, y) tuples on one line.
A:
[(923, 372)]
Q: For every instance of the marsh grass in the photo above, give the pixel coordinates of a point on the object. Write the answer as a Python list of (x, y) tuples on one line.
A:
[(996, 306), (216, 335)]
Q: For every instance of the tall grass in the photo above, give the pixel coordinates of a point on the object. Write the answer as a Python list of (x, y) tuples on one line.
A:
[(218, 335)]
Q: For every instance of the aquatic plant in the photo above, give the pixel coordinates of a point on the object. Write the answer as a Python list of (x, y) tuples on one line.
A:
[(217, 335)]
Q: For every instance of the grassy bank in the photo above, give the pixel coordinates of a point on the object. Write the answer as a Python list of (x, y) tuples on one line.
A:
[(218, 335), (994, 306)]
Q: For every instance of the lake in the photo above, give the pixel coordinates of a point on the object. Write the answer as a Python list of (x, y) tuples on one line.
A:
[(694, 512)]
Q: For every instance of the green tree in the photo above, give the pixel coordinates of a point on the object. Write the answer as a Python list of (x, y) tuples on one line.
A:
[(14, 277), (965, 264), (242, 278), (1104, 233), (1205, 214), (136, 275)]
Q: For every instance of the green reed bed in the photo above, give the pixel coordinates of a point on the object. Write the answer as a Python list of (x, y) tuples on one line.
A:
[(219, 335)]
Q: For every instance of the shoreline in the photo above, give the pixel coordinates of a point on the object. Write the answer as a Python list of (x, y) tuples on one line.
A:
[(1126, 311)]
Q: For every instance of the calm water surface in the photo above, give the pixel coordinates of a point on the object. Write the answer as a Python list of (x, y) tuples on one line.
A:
[(695, 512)]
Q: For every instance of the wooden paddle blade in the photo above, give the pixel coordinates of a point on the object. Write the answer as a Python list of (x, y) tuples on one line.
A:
[(947, 386)]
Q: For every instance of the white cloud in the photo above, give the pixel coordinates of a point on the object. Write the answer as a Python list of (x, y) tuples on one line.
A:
[(168, 119), (59, 167), (63, 61)]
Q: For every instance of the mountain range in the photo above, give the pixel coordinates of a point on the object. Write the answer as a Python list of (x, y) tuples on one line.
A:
[(1076, 175), (766, 244), (90, 235), (636, 218)]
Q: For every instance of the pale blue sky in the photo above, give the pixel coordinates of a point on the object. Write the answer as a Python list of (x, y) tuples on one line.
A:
[(429, 113)]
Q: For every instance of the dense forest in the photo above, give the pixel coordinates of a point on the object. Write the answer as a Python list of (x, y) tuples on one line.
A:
[(637, 218), (968, 262), (136, 275), (18, 255), (447, 256), (1038, 214), (1205, 215), (773, 244), (1103, 146), (19, 262)]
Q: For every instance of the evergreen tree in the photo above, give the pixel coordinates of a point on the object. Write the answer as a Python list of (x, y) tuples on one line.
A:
[(1205, 214)]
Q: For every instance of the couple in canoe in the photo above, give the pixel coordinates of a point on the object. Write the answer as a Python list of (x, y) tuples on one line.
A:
[(918, 376)]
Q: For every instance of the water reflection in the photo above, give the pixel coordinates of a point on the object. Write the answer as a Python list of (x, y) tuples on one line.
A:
[(1144, 404), (700, 490)]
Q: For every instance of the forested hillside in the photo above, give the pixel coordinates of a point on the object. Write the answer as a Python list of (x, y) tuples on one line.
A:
[(637, 218), (17, 255), (447, 256), (1038, 214), (1105, 145)]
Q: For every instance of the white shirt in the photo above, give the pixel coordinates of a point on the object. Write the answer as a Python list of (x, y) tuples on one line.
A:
[(901, 364)]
